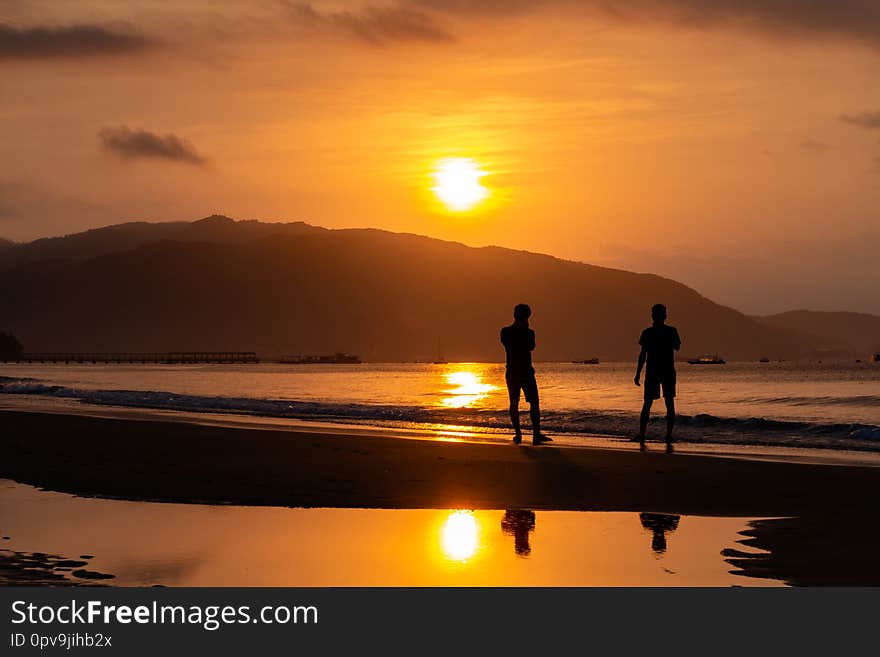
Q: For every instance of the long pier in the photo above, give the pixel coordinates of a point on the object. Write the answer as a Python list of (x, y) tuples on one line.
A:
[(165, 358)]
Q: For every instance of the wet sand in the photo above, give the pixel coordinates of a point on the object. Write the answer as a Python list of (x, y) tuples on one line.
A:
[(39, 569), (211, 545), (837, 549), (177, 462)]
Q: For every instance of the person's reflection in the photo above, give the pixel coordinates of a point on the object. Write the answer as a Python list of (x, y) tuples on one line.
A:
[(659, 524), (519, 523)]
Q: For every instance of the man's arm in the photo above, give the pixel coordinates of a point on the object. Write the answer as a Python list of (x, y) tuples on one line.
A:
[(677, 344), (642, 354), (531, 344)]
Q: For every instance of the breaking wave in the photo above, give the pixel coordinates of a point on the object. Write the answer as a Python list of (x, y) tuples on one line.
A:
[(700, 428)]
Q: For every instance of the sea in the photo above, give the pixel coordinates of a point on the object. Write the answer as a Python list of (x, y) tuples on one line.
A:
[(829, 405)]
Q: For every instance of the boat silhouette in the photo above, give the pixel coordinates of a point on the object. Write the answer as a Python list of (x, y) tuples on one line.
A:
[(707, 360)]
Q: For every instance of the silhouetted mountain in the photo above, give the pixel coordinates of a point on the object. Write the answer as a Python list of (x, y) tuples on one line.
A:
[(122, 237), (834, 333), (295, 288), (5, 244)]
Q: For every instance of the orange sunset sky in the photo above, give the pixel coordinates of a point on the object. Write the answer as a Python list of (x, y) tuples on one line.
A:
[(732, 145)]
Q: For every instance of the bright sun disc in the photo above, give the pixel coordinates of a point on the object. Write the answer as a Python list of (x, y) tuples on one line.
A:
[(457, 183)]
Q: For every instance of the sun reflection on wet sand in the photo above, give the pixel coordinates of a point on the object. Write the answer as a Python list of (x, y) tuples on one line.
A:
[(460, 536), (468, 388), (205, 545)]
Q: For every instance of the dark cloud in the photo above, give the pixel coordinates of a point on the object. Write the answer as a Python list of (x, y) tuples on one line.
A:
[(847, 19), (868, 120), (68, 41), (132, 144), (491, 8), (377, 26)]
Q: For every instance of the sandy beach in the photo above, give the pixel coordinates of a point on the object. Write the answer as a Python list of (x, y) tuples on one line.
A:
[(179, 462)]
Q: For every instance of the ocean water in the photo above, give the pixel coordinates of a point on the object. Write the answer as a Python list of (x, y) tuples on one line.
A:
[(828, 405)]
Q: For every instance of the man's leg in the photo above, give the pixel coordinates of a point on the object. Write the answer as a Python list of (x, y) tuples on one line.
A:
[(531, 390), (535, 414), (643, 419), (513, 393), (669, 398), (670, 417)]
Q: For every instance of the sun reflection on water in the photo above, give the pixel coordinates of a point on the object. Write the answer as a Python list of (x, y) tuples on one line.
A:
[(460, 535), (468, 388)]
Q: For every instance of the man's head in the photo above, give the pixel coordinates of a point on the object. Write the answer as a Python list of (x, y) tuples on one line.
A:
[(522, 312), (658, 312)]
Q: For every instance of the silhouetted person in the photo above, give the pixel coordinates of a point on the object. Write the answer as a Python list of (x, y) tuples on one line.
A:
[(519, 523), (519, 342), (659, 344), (659, 524)]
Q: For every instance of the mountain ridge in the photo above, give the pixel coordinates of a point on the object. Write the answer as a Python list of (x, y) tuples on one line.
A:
[(834, 333), (280, 288)]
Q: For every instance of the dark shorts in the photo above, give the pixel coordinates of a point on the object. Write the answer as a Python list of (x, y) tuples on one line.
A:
[(524, 382), (653, 383)]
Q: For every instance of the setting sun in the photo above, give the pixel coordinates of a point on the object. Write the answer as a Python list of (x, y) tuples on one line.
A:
[(457, 183)]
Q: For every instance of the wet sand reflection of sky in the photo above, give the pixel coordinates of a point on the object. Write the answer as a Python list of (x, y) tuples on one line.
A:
[(144, 544)]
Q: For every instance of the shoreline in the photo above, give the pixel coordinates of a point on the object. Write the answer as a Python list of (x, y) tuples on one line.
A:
[(768, 452), (158, 460), (816, 518)]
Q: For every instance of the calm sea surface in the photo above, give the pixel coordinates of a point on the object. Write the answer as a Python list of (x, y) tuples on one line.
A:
[(794, 404)]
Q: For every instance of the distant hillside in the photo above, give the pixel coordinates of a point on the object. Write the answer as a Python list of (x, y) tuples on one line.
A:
[(295, 288), (836, 333), (123, 237)]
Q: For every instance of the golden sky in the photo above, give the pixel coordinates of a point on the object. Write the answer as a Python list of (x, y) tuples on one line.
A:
[(732, 145)]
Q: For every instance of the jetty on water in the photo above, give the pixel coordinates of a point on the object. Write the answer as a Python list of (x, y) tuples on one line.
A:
[(164, 358)]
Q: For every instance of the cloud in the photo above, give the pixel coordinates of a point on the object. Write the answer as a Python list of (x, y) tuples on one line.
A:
[(857, 20), (69, 41), (133, 144), (867, 120), (378, 26)]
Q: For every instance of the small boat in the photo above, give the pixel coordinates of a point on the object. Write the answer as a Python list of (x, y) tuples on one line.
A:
[(764, 360), (441, 361), (586, 361), (707, 360), (338, 358)]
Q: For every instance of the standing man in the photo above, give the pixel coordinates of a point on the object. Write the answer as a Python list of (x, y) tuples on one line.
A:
[(659, 344), (519, 342)]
